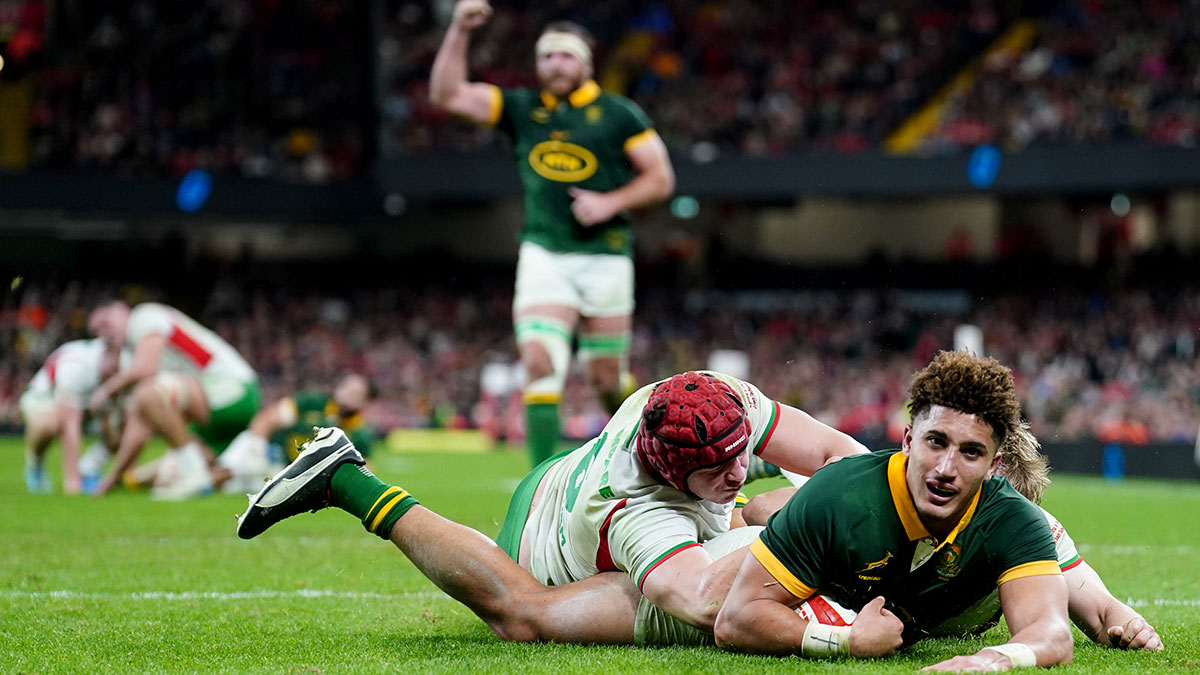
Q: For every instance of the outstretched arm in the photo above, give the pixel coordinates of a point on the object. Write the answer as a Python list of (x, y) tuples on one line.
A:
[(145, 362), (802, 444), (1102, 617), (449, 89), (1035, 608)]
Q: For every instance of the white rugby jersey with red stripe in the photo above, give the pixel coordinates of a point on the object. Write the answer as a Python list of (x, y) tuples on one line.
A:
[(71, 373), (190, 347), (601, 510)]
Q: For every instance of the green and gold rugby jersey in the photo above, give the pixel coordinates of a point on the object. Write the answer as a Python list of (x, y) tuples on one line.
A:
[(317, 409), (580, 142), (853, 533)]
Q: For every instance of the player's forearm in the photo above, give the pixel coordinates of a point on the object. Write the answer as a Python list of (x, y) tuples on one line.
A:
[(1050, 640), (759, 627), (648, 187), (763, 506), (449, 73)]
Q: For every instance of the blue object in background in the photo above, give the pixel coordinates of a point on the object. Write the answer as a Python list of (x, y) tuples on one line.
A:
[(193, 190), (983, 166), (1112, 462)]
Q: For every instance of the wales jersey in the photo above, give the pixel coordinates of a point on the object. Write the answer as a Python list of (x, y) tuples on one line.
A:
[(317, 409), (70, 374), (601, 510), (853, 533), (577, 142), (190, 347)]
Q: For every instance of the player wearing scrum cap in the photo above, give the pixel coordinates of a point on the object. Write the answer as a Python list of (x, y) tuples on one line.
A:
[(585, 157), (637, 501)]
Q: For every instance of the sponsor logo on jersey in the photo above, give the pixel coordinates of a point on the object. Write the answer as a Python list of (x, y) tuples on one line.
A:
[(562, 162), (539, 115), (593, 114), (949, 565)]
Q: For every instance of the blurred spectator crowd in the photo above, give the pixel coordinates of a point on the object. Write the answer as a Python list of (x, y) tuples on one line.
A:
[(311, 91), (149, 89), (1096, 73), (1117, 367), (779, 77)]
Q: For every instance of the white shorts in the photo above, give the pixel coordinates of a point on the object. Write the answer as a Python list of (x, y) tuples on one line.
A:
[(547, 561), (36, 404), (219, 392), (595, 284)]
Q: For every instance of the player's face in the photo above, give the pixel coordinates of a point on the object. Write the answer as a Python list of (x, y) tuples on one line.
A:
[(108, 324), (950, 454), (351, 394), (561, 73), (720, 483)]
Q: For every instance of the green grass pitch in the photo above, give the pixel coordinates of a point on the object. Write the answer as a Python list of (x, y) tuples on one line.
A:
[(124, 584)]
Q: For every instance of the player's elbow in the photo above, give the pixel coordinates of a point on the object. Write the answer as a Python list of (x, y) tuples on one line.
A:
[(666, 183), (1060, 645), (727, 629)]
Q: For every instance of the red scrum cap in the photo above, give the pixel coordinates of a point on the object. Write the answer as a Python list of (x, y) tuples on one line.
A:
[(692, 421)]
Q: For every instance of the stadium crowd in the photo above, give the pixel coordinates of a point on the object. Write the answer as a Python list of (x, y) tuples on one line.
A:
[(1096, 73), (1114, 367), (147, 89), (290, 93)]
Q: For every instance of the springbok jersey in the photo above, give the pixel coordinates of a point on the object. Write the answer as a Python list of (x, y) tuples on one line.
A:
[(986, 613), (71, 373), (602, 510), (579, 141), (190, 347), (853, 533)]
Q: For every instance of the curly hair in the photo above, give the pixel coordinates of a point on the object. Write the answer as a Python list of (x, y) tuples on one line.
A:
[(969, 384), (1022, 463)]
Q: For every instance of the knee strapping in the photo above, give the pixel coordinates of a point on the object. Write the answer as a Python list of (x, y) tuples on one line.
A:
[(602, 345), (553, 337), (171, 389)]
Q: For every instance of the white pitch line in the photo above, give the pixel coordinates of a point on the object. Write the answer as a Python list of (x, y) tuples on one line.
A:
[(219, 595), (350, 595), (1109, 549), (1163, 602)]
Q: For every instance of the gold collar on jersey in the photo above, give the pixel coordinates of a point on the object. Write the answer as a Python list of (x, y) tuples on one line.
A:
[(586, 93), (907, 511)]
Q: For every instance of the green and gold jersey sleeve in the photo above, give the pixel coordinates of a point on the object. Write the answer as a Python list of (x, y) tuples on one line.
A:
[(797, 545), (1017, 534)]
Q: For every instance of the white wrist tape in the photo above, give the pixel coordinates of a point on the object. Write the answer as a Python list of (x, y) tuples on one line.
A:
[(1021, 655), (824, 641)]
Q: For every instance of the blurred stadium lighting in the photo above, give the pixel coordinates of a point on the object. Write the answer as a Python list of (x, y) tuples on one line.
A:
[(1120, 205), (685, 207), (193, 190), (983, 166), (395, 204)]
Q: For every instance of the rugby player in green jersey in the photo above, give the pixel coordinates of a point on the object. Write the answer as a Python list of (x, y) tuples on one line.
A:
[(277, 430), (585, 157), (913, 537)]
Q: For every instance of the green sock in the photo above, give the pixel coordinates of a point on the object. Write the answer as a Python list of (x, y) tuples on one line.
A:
[(541, 432), (612, 400), (761, 468), (356, 490)]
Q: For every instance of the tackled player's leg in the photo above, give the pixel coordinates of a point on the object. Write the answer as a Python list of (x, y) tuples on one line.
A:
[(331, 472)]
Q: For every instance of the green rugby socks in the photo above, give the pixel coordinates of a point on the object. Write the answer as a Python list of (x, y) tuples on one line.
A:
[(356, 490)]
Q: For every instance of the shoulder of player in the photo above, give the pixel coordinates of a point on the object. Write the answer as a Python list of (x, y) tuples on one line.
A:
[(1002, 506)]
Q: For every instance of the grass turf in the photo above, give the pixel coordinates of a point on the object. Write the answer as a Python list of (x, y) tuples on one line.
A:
[(125, 584)]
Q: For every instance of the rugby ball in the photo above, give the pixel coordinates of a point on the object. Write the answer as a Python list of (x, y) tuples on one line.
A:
[(824, 610)]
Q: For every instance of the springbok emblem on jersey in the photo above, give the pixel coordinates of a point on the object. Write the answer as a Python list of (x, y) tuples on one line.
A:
[(878, 564)]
